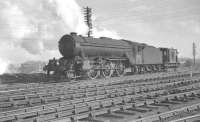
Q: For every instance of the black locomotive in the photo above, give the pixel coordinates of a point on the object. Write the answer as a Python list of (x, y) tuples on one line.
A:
[(106, 57)]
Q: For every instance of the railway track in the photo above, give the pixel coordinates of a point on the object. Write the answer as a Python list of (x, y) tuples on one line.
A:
[(192, 118), (94, 102), (185, 114)]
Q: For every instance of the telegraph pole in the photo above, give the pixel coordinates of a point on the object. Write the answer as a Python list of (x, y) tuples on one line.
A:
[(194, 52), (88, 19)]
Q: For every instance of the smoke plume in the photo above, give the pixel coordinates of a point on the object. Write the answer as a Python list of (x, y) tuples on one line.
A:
[(30, 29)]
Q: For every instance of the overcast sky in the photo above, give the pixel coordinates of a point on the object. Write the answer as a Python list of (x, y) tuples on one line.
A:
[(166, 23)]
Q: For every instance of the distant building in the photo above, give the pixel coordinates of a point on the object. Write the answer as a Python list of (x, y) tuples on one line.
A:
[(12, 68), (32, 67)]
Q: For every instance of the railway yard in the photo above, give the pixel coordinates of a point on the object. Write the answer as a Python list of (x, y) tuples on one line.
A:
[(159, 97), (134, 61)]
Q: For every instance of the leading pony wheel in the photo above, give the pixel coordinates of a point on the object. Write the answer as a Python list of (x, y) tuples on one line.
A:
[(69, 74)]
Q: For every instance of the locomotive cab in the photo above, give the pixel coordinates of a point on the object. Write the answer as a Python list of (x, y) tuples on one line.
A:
[(170, 58), (165, 55)]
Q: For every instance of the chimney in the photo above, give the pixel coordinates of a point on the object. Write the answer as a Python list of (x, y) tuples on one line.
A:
[(73, 33)]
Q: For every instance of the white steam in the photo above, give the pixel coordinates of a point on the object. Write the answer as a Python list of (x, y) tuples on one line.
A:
[(105, 33), (73, 18), (99, 31), (30, 30)]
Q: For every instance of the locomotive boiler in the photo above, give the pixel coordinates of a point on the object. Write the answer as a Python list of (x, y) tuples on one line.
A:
[(73, 45), (106, 57)]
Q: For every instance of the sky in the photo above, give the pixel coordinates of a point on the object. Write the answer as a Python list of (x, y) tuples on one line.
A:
[(163, 23), (30, 30)]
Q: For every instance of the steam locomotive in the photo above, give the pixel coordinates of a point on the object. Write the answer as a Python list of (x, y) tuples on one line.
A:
[(107, 57)]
